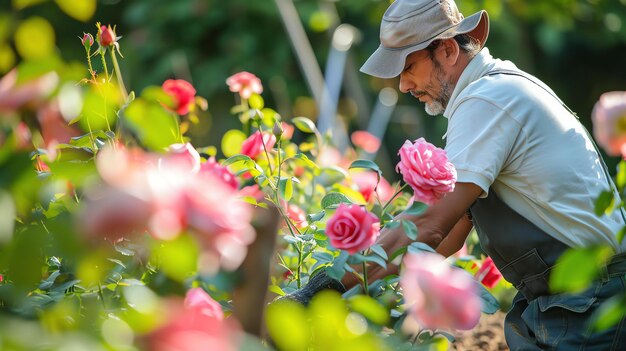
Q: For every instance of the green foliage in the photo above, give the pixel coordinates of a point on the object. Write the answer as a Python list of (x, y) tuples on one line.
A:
[(577, 268)]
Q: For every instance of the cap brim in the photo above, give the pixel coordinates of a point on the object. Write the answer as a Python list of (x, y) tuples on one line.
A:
[(389, 62)]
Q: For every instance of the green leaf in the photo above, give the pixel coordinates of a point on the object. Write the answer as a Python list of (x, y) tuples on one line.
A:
[(603, 202), (314, 217), (377, 249), (337, 270), (155, 127), (369, 308), (490, 304), (285, 188), (620, 178), (304, 124), (577, 268), (236, 158), (231, 142), (410, 229), (419, 247), (416, 209), (376, 259), (178, 258), (368, 165), (332, 200), (288, 325), (256, 101), (322, 257), (310, 164), (609, 313), (398, 252), (620, 235), (81, 10)]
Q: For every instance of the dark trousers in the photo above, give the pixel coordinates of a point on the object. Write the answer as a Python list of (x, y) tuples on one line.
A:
[(564, 321)]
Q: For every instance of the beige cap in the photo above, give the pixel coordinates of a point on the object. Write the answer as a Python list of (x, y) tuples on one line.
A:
[(411, 25)]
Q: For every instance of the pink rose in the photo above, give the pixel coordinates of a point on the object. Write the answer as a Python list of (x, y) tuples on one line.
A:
[(488, 274), (609, 122), (352, 228), (1, 278), (199, 300), (183, 94), (189, 328), (185, 154), (244, 83), (107, 36), (220, 171), (366, 141), (438, 295), (366, 182), (253, 146), (427, 170)]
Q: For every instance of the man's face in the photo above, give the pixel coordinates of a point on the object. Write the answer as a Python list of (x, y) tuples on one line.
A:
[(426, 80)]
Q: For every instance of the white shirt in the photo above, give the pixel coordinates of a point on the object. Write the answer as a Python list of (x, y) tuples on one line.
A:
[(507, 133)]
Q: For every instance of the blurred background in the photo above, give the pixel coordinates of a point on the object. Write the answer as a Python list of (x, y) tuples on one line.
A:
[(578, 47)]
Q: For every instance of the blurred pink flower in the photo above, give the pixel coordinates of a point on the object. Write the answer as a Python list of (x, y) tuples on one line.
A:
[(198, 299), (439, 296), (366, 182), (183, 94), (1, 278), (106, 36), (427, 170), (297, 216), (32, 93), (288, 130), (189, 328), (488, 274), (244, 83), (185, 154), (365, 140), (253, 145), (609, 122), (22, 136), (352, 228), (253, 191), (220, 171), (167, 201)]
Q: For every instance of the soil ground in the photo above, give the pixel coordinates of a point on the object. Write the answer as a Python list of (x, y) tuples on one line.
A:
[(488, 335)]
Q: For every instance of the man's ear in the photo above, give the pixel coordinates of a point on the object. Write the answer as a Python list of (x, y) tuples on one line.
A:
[(449, 52)]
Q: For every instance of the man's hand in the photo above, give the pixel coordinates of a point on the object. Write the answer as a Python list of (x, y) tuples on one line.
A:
[(433, 227)]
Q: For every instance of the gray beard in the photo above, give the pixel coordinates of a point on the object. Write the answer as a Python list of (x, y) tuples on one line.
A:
[(440, 102)]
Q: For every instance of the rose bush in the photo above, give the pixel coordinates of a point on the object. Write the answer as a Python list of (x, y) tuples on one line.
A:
[(127, 214)]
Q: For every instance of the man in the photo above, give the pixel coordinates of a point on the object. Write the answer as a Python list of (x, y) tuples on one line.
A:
[(528, 172)]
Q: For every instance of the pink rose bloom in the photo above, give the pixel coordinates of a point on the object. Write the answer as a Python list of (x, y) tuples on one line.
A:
[(366, 141), (220, 171), (488, 274), (1, 278), (352, 228), (427, 170), (609, 122), (253, 146), (189, 328), (244, 83), (199, 300), (366, 182), (439, 296), (183, 94), (107, 36), (185, 154), (253, 191)]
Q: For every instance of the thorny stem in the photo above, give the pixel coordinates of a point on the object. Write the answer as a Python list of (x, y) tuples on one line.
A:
[(393, 197), (104, 65), (365, 284)]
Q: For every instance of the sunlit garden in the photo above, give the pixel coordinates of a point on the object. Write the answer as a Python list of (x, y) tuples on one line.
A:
[(172, 172)]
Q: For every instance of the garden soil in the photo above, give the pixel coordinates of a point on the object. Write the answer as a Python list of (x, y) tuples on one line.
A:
[(488, 335)]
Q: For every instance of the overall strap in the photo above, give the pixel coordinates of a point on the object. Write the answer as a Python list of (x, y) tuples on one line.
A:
[(544, 87)]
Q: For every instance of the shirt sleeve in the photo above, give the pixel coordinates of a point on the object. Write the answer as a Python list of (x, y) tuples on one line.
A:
[(480, 140)]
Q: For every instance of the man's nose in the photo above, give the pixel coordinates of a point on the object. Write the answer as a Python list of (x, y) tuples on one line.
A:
[(405, 84)]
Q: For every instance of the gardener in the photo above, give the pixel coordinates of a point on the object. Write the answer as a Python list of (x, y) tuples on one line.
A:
[(528, 172)]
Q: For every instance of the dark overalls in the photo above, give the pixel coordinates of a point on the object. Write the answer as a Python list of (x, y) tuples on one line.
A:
[(524, 254)]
